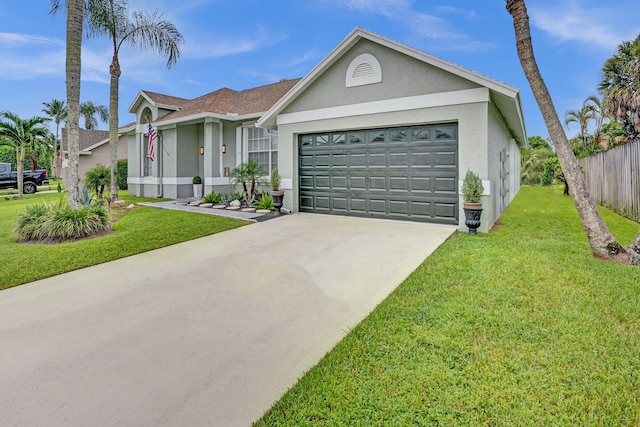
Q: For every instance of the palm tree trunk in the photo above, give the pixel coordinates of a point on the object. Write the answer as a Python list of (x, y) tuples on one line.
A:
[(600, 239), (75, 14), (113, 125), (20, 169)]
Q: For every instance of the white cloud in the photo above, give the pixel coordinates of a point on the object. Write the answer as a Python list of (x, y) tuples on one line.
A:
[(467, 15), (441, 30), (573, 21), (385, 7), (424, 25), (17, 39), (208, 46)]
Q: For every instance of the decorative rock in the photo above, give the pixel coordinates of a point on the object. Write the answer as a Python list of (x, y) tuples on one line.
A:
[(233, 208), (196, 203), (206, 205), (131, 206), (263, 211), (235, 203), (219, 206)]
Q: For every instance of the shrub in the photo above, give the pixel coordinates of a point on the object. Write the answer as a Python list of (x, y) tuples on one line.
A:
[(30, 221), (123, 171), (97, 178), (550, 168), (276, 180), (266, 202), (236, 195), (197, 180), (212, 197), (472, 187), (57, 222)]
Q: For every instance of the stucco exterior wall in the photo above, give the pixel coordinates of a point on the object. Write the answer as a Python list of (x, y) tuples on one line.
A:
[(472, 120), (99, 155), (401, 76), (501, 144)]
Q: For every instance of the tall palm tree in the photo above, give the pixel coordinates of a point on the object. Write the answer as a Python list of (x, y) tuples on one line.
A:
[(21, 134), (620, 85), (75, 18), (601, 114), (88, 110), (57, 111), (600, 239), (582, 117), (110, 18)]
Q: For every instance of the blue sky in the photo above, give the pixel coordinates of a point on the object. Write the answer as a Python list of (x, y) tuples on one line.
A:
[(247, 43)]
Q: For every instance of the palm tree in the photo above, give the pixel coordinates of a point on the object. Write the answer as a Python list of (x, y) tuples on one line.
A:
[(75, 17), (88, 110), (620, 85), (582, 117), (601, 114), (57, 111), (97, 178), (600, 239), (110, 18), (21, 134)]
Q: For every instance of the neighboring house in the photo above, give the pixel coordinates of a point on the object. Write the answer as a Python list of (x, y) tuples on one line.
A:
[(94, 150), (376, 129)]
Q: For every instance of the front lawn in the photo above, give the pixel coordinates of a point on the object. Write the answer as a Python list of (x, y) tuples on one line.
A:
[(520, 326), (139, 230)]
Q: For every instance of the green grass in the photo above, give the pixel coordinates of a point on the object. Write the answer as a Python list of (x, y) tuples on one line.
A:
[(139, 230), (520, 326)]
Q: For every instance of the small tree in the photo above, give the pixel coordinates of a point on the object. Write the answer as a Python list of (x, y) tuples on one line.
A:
[(21, 135), (98, 178), (472, 187), (248, 175)]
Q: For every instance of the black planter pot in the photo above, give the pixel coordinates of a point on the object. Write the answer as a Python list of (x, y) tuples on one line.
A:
[(278, 196), (472, 213)]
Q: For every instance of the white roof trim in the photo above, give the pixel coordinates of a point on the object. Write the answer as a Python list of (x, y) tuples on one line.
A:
[(269, 119), (142, 94), (207, 115), (121, 131)]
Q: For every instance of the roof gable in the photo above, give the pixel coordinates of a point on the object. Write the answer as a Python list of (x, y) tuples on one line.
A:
[(88, 138), (222, 103), (507, 97)]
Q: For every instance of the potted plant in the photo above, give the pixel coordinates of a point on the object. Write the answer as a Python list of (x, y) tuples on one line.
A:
[(197, 186), (276, 193), (472, 196)]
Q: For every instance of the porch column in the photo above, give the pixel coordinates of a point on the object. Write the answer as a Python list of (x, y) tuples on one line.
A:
[(211, 151)]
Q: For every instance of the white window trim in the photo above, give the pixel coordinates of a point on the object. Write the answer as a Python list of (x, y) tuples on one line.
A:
[(244, 138)]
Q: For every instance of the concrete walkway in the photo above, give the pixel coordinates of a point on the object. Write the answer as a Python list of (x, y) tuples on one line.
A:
[(205, 333)]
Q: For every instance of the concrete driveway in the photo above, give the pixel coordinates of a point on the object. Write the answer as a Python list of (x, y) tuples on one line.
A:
[(205, 333)]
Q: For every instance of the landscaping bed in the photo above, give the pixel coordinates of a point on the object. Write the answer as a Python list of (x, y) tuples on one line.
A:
[(136, 230)]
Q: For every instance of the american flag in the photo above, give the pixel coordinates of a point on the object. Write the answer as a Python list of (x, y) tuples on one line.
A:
[(152, 135)]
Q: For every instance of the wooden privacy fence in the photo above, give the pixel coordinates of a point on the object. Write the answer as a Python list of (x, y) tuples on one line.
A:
[(613, 178)]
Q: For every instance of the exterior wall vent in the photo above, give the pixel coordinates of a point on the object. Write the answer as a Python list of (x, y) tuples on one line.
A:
[(363, 70)]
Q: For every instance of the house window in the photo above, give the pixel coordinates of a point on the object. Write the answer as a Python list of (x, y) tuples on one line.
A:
[(262, 147), (148, 164)]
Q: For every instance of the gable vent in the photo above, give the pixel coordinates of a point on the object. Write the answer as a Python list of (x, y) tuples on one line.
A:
[(363, 70)]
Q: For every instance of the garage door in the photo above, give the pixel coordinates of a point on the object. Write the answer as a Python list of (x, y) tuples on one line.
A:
[(407, 173)]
